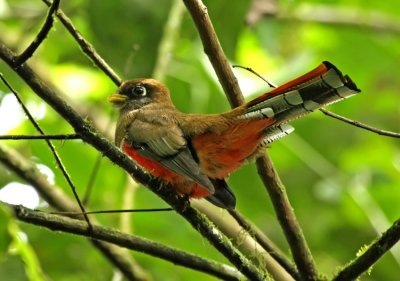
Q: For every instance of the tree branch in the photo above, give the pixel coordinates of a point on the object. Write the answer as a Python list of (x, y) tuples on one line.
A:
[(359, 124), (244, 241), (89, 135), (375, 251), (73, 226), (286, 216), (287, 219), (265, 243)]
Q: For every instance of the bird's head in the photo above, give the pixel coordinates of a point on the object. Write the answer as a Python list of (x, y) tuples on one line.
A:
[(136, 93)]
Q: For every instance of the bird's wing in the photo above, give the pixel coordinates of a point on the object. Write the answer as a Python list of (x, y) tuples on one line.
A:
[(166, 144)]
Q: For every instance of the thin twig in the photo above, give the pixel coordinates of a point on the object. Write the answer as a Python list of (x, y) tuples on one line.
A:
[(92, 179), (266, 244), (113, 211), (86, 47), (360, 125), (92, 137), (95, 170), (374, 252), (44, 31), (287, 219), (41, 137), (272, 85), (65, 224), (52, 149)]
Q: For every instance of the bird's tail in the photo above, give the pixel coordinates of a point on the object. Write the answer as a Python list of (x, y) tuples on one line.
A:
[(223, 196), (319, 87)]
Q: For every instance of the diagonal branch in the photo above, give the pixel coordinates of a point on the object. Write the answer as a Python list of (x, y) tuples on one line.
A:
[(245, 242), (89, 135), (287, 219), (133, 242), (86, 47), (44, 31), (374, 252), (52, 149), (275, 188), (94, 173), (265, 243)]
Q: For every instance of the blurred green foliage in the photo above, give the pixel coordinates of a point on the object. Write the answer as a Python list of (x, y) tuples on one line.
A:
[(343, 182)]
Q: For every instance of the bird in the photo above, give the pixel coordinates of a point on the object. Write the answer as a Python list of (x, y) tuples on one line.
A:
[(196, 153)]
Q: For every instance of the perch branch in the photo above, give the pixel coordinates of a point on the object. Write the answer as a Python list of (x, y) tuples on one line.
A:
[(294, 235), (73, 226)]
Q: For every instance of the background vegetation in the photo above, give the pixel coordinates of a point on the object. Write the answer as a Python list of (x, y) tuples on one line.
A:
[(343, 182)]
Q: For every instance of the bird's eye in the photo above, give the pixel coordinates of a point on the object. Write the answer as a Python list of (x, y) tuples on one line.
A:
[(139, 90)]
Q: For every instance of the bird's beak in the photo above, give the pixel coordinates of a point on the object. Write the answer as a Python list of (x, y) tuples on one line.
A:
[(117, 98)]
